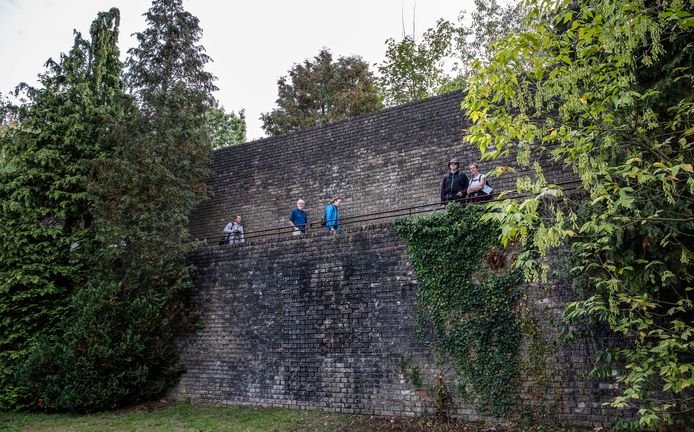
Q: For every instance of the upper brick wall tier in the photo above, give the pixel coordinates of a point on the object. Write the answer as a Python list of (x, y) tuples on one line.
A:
[(385, 160)]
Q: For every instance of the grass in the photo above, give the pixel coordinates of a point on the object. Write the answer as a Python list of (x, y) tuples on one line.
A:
[(183, 417)]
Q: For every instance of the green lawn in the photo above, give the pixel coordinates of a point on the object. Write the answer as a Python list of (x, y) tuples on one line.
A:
[(180, 417), (185, 417)]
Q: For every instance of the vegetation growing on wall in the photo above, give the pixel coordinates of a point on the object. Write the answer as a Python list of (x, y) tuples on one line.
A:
[(606, 88), (466, 309)]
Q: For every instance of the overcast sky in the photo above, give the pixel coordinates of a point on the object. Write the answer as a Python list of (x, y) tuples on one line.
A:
[(252, 43)]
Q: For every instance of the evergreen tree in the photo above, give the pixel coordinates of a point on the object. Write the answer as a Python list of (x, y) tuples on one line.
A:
[(322, 91), (49, 146), (166, 74), (117, 347), (120, 340)]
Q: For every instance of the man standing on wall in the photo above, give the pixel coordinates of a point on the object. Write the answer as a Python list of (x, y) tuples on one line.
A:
[(455, 184), (234, 231), (298, 218)]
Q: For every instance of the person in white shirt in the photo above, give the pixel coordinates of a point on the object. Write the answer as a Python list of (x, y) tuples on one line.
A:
[(234, 231), (478, 189)]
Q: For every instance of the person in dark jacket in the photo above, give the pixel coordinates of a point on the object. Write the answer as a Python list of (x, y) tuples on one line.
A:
[(298, 219), (455, 183)]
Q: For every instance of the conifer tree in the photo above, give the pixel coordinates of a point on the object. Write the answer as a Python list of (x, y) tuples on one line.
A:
[(167, 159), (118, 345), (48, 151)]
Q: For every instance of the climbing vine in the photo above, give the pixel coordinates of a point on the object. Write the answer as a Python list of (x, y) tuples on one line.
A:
[(467, 302)]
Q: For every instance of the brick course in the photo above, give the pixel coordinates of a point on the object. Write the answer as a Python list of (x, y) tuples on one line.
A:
[(389, 159), (324, 321)]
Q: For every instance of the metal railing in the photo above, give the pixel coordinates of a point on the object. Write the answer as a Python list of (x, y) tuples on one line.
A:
[(388, 214)]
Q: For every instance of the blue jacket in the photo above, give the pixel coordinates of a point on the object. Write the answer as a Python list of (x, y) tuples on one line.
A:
[(332, 217), (299, 218)]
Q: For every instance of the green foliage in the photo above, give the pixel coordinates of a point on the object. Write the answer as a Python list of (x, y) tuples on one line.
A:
[(110, 353), (226, 129), (606, 89), (488, 22), (169, 59), (322, 91), (413, 70), (117, 346), (441, 60), (96, 199), (49, 149), (466, 311)]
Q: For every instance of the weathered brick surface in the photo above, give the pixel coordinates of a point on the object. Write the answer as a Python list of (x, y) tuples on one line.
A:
[(324, 322), (389, 159), (317, 322)]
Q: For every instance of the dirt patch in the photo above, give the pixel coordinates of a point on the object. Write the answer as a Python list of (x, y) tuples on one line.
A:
[(431, 424)]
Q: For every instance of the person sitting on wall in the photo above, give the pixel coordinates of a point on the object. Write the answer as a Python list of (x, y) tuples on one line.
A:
[(234, 231), (298, 218), (332, 215), (479, 189), (455, 184)]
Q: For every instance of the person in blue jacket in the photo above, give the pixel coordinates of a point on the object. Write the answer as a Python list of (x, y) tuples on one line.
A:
[(298, 219), (332, 215)]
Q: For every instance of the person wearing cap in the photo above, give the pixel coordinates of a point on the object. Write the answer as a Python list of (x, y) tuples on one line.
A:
[(455, 183)]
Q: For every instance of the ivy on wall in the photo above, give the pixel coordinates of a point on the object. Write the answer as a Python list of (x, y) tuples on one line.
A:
[(466, 307)]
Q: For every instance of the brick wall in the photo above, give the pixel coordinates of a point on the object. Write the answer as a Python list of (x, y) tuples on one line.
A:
[(393, 158), (315, 322), (325, 322)]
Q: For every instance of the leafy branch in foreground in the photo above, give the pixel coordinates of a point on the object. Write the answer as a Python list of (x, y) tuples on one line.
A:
[(606, 88)]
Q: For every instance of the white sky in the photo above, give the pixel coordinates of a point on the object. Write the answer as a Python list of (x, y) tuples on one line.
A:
[(252, 43)]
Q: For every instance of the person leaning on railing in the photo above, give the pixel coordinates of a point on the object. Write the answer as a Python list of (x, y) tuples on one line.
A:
[(455, 184), (298, 219), (234, 231), (479, 188)]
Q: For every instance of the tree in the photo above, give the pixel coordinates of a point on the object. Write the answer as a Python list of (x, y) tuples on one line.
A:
[(489, 22), (226, 129), (414, 70), (605, 88), (322, 91), (118, 345), (441, 60), (49, 149)]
